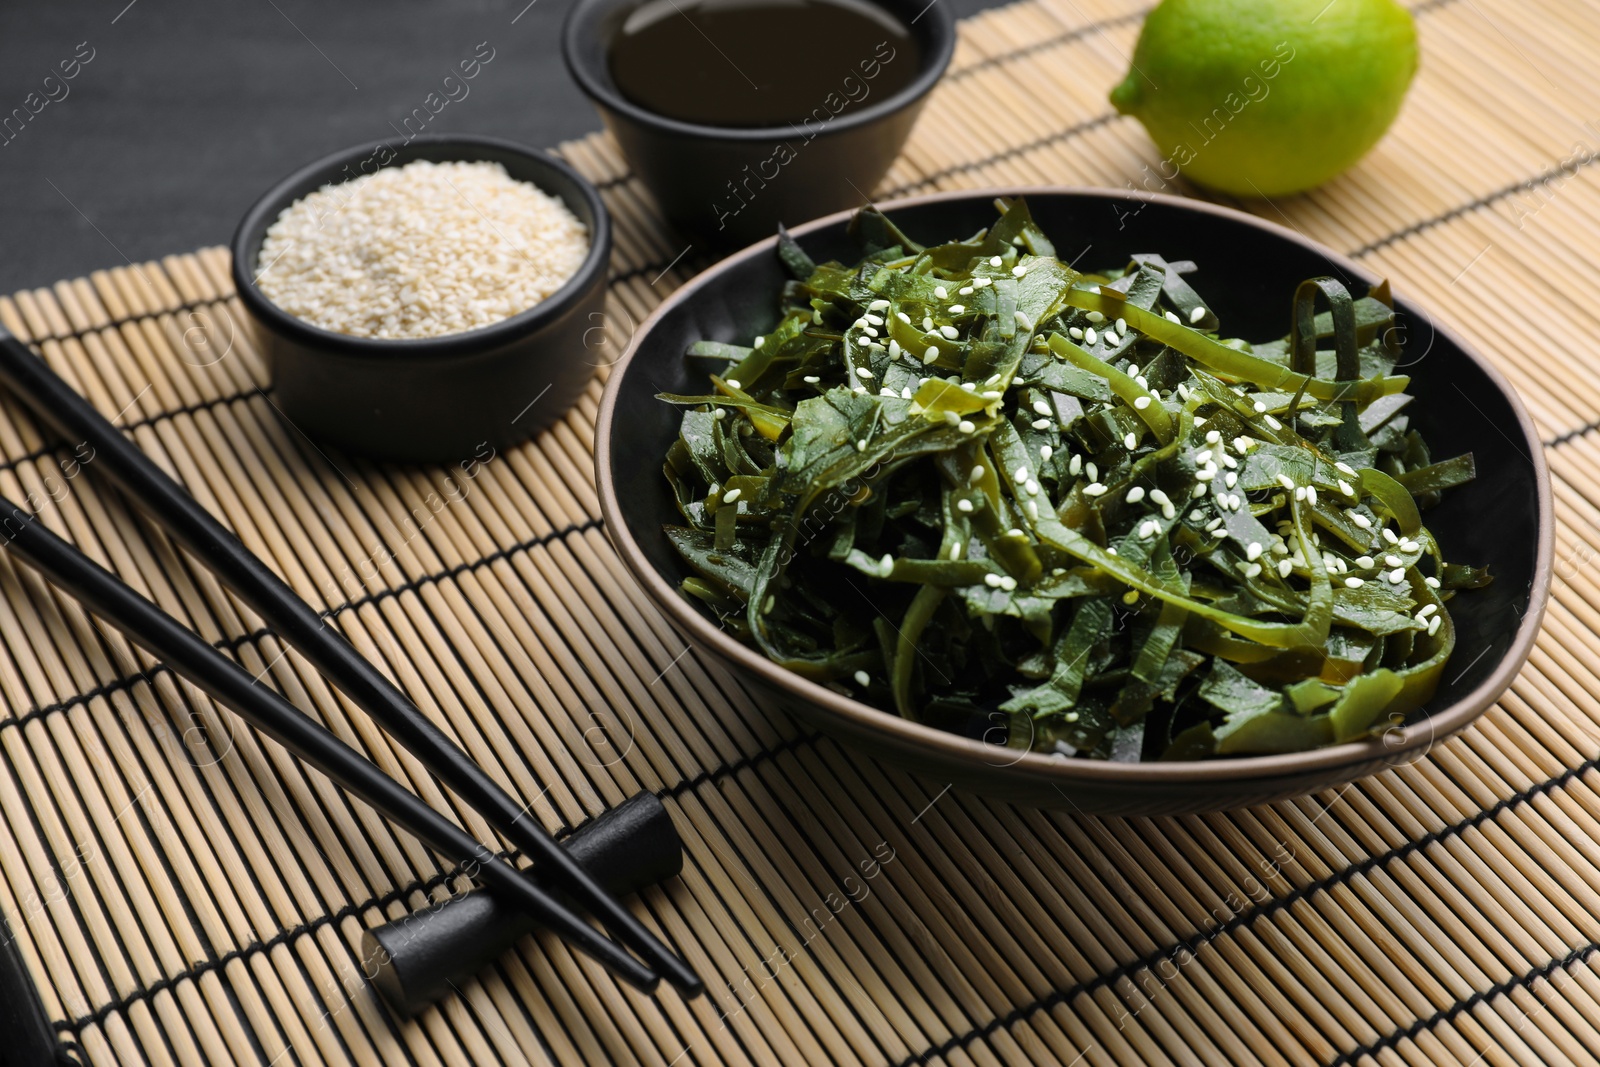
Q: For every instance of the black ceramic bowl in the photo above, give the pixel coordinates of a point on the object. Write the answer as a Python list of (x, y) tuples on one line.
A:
[(438, 398), (726, 187), (1248, 270)]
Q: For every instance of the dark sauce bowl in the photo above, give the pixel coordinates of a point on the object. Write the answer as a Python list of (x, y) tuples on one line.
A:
[(435, 399), (727, 186), (1248, 271)]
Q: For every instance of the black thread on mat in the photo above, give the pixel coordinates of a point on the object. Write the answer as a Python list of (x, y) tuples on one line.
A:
[(233, 644), (1245, 920), (1580, 954), (1566, 169), (129, 427), (393, 896), (111, 324), (1572, 435)]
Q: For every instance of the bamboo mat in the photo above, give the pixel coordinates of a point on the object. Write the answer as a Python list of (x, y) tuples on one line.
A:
[(183, 892)]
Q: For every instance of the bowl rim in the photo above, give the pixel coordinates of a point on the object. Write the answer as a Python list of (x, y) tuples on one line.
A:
[(941, 36), (465, 344), (953, 747)]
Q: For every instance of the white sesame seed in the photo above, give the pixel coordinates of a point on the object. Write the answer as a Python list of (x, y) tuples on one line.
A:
[(1173, 318), (1197, 314), (1431, 582), (720, 413), (1389, 536), (1427, 609), (1213, 436), (730, 496), (1141, 380), (1409, 546), (1212, 526), (1041, 424), (861, 445), (1149, 528), (994, 379), (1032, 487), (1168, 511), (1272, 422), (927, 324), (1141, 402), (1393, 561), (762, 340), (734, 383), (1089, 336), (1159, 497), (965, 290), (863, 372), (1092, 470), (903, 317), (1253, 570), (811, 379), (1229, 462), (1122, 325), (1365, 562), (1285, 568), (1020, 474), (905, 394), (930, 355), (887, 391), (994, 261), (1360, 520), (1311, 495), (992, 394), (964, 506), (1045, 452), (1131, 440), (1199, 490), (992, 580), (982, 282), (1095, 316), (955, 550), (1396, 576), (1075, 332), (1433, 624), (1354, 583), (950, 332), (1135, 494), (1008, 583), (863, 679), (1300, 492), (1075, 465), (940, 291), (1259, 407), (1018, 271), (965, 426), (1346, 468), (957, 309), (1205, 474), (878, 305), (1346, 488), (1230, 479), (1253, 551), (1093, 489)]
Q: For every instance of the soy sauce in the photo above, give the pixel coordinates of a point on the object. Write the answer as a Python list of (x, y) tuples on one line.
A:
[(753, 63)]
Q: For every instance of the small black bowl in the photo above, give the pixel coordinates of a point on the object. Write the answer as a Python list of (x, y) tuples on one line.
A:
[(728, 186), (1248, 271), (437, 398)]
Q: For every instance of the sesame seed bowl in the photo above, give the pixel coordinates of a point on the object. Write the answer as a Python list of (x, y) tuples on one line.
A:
[(421, 301), (1249, 270)]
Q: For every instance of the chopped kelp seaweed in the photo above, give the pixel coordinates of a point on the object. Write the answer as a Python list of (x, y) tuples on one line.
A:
[(974, 486)]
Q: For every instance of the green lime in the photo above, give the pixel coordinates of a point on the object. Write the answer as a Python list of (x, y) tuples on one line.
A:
[(1267, 97)]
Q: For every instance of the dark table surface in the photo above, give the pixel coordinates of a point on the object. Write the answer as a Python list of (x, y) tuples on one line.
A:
[(181, 112)]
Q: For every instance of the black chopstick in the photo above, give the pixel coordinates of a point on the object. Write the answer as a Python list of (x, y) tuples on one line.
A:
[(152, 629), (299, 626)]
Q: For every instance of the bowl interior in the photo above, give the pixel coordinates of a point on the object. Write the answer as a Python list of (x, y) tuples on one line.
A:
[(1247, 273), (523, 164)]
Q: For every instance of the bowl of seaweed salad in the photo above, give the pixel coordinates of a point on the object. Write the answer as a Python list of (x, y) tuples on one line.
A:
[(1079, 498)]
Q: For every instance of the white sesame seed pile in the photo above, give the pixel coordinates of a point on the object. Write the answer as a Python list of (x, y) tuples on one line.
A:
[(422, 250)]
